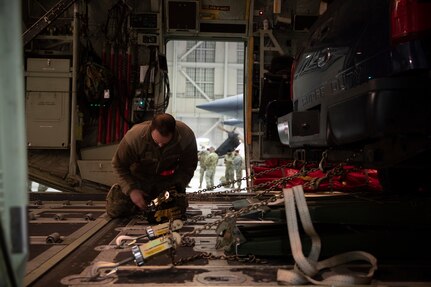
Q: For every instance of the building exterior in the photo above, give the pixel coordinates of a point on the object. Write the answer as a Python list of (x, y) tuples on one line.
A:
[(201, 72)]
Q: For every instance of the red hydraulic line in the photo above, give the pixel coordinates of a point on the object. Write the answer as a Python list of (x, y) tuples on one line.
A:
[(117, 125), (126, 115), (104, 54), (100, 125), (108, 125), (120, 95), (109, 116), (128, 90)]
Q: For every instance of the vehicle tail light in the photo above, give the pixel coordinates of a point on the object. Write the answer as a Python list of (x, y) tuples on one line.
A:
[(410, 18), (292, 75)]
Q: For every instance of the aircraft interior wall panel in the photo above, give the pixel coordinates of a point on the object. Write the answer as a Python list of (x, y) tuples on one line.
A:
[(47, 103)]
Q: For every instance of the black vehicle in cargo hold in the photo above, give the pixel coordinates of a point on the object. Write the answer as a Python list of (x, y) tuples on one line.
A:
[(362, 84)]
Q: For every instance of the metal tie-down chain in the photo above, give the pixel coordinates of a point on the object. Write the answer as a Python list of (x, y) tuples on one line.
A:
[(231, 215), (271, 185), (209, 256)]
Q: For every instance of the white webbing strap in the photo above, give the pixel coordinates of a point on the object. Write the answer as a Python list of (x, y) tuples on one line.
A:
[(307, 267)]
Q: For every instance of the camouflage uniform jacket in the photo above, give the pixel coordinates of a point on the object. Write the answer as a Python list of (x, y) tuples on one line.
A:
[(237, 162), (140, 163), (228, 159), (202, 156), (211, 161)]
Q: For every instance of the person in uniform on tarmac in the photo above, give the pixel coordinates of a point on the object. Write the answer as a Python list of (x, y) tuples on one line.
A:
[(153, 156), (229, 172), (237, 166), (210, 165), (202, 156)]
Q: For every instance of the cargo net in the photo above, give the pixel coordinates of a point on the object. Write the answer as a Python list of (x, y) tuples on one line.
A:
[(271, 176), (314, 177)]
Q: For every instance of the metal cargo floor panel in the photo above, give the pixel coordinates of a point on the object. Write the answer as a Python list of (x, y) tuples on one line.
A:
[(75, 267)]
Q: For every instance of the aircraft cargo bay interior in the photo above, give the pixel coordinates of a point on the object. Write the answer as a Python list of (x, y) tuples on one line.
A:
[(215, 143)]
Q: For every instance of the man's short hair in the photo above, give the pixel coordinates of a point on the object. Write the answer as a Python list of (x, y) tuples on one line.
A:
[(164, 123)]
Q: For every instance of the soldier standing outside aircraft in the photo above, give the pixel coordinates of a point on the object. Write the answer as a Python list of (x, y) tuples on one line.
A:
[(237, 166), (210, 165), (229, 172), (202, 156)]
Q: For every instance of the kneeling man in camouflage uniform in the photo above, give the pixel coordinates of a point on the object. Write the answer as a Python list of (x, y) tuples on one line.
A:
[(153, 157)]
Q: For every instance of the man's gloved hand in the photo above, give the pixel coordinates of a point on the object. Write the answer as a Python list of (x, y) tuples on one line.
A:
[(138, 198)]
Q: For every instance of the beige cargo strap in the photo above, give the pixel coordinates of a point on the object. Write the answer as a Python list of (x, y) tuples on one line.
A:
[(306, 268)]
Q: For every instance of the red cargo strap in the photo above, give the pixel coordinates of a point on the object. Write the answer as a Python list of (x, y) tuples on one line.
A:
[(167, 172)]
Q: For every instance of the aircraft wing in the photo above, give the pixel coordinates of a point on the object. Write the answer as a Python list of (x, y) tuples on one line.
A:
[(231, 107)]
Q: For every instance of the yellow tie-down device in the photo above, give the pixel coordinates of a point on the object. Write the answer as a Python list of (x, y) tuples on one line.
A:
[(152, 232), (143, 251)]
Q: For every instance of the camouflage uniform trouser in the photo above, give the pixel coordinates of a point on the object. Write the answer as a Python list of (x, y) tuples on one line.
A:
[(229, 175), (201, 176), (120, 205), (209, 177), (238, 173)]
